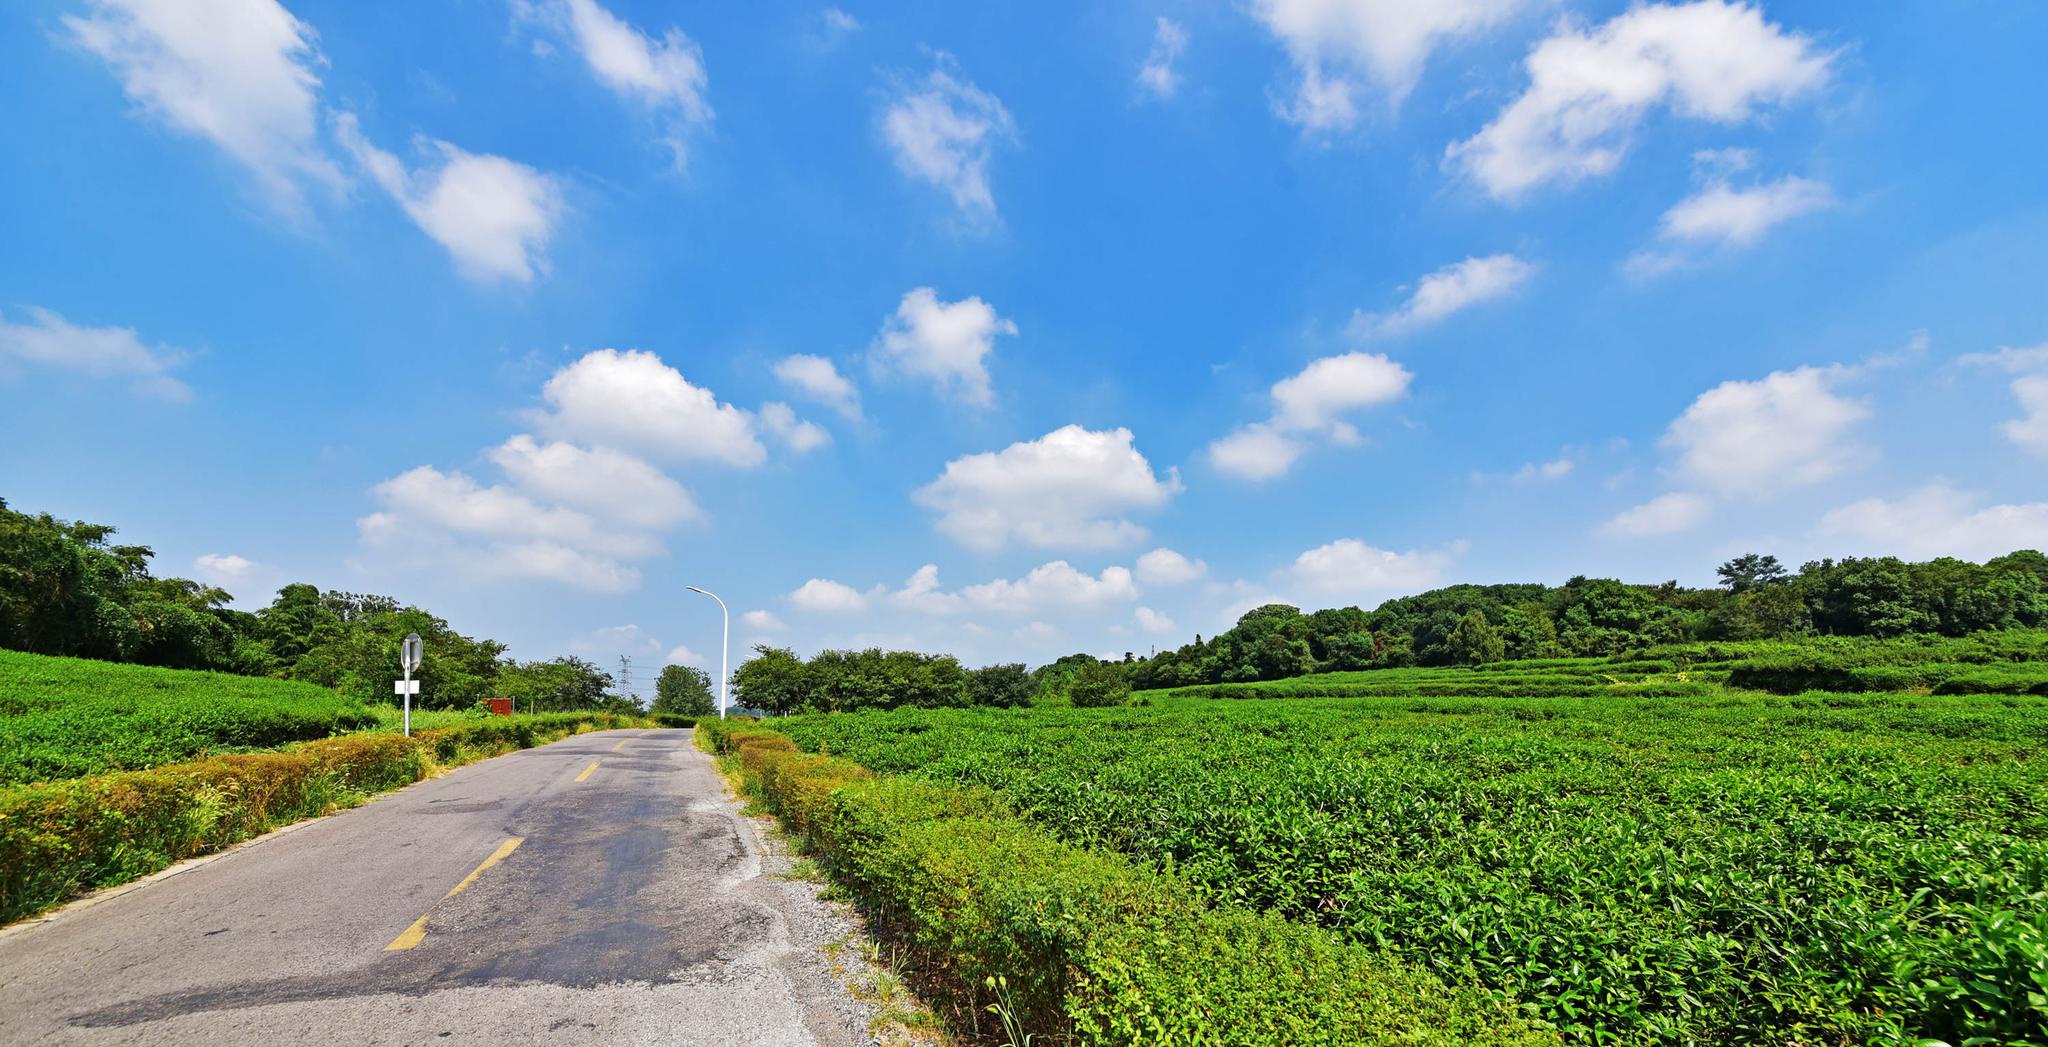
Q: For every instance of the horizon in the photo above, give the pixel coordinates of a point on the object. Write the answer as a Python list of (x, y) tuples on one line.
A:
[(532, 314)]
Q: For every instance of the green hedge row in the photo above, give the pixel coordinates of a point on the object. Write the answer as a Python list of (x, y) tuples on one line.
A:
[(1090, 948), (674, 720), (61, 838), (1801, 673)]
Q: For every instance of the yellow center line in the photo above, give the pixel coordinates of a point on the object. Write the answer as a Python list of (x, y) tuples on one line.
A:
[(621, 745), (417, 933), (587, 771)]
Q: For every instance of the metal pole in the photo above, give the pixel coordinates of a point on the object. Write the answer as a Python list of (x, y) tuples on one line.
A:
[(724, 647), (408, 699)]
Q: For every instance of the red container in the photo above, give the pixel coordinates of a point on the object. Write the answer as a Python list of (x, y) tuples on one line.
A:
[(501, 706)]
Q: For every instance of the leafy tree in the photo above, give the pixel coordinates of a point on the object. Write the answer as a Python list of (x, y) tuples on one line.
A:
[(1098, 685), (1750, 571), (774, 680), (1474, 641), (561, 684), (1002, 686), (684, 690)]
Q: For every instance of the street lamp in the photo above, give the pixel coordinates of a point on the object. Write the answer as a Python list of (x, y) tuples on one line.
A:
[(724, 646)]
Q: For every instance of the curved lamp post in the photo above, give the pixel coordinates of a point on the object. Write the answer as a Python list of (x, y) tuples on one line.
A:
[(724, 646)]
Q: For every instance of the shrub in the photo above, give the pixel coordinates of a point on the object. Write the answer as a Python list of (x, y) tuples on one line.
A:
[(1090, 947), (1098, 684)]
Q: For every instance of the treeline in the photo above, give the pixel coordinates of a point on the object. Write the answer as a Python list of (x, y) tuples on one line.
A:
[(775, 680), (66, 588), (1758, 599)]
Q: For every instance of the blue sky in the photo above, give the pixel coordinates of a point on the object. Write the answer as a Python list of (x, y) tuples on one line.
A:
[(1017, 331)]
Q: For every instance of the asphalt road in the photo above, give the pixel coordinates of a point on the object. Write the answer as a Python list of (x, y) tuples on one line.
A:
[(634, 908)]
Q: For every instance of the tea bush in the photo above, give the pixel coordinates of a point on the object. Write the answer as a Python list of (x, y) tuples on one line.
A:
[(1821, 868)]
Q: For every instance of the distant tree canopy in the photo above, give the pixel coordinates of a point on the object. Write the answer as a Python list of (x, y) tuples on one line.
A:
[(775, 680), (67, 589), (683, 690), (1757, 600)]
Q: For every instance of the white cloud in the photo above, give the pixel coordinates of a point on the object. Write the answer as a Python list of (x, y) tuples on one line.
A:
[(224, 568), (825, 596), (664, 77), (1255, 452), (1152, 621), (1163, 566), (1071, 487), (681, 655), (633, 400), (1336, 42), (1588, 89), (1334, 385), (818, 379), (1351, 567), (394, 542), (614, 640), (456, 503), (495, 216), (239, 73), (840, 22), (2030, 389), (50, 342), (942, 130), (612, 483), (1938, 520), (1052, 585), (1157, 75), (763, 621), (945, 342), (795, 433), (1787, 429), (1449, 290), (1664, 514), (1721, 216), (1314, 400), (1555, 469)]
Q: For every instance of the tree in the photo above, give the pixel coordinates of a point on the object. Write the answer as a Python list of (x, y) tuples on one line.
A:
[(1750, 571), (1475, 641), (1099, 685), (683, 690), (1002, 686), (568, 683), (774, 680)]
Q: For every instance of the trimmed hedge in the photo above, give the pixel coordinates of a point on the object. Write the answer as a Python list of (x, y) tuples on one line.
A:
[(674, 720), (1091, 948), (62, 838)]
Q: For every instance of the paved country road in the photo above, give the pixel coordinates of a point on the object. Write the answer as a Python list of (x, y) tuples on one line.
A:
[(635, 908)]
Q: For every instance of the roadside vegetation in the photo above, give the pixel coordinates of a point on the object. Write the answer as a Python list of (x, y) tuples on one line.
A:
[(1822, 868)]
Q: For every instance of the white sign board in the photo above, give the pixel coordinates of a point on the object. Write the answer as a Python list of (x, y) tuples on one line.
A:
[(407, 687)]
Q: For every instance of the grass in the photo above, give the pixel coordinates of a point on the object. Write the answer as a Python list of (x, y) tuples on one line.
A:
[(1723, 867)]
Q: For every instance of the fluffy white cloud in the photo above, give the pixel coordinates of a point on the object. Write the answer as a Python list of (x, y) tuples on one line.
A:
[(763, 621), (1787, 429), (1335, 385), (826, 596), (394, 541), (1588, 89), (1157, 75), (1152, 621), (495, 216), (818, 379), (2030, 389), (47, 341), (1335, 42), (795, 433), (945, 342), (942, 130), (1052, 585), (239, 73), (223, 568), (454, 502), (665, 77), (1449, 290), (1721, 216), (633, 400), (682, 655), (1351, 567), (611, 483), (1071, 487), (1163, 566), (1938, 520), (1664, 514), (1313, 401), (1255, 452)]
